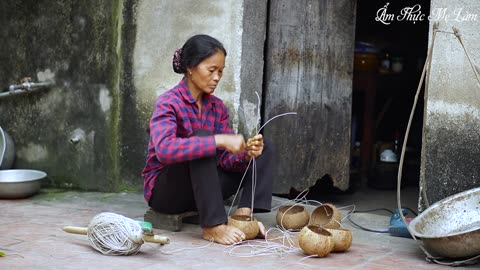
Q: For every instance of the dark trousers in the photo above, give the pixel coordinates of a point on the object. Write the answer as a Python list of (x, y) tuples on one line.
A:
[(200, 185)]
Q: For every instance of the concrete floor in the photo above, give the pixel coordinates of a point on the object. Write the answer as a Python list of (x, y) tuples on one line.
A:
[(31, 237)]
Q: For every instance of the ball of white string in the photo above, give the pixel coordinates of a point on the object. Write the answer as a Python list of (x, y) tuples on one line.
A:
[(114, 234)]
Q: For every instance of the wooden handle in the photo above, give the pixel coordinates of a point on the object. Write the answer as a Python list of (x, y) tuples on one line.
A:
[(147, 238), (156, 239), (77, 230)]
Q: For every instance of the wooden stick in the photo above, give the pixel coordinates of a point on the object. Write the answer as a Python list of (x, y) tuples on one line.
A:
[(147, 238)]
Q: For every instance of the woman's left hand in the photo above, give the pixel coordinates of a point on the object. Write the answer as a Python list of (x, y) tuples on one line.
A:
[(254, 147)]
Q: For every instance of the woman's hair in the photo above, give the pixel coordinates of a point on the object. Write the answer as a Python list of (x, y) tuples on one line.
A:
[(195, 50)]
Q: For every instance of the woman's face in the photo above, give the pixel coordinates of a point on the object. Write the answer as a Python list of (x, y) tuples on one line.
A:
[(205, 77)]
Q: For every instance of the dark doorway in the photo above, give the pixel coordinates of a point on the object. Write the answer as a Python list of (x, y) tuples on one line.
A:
[(389, 58)]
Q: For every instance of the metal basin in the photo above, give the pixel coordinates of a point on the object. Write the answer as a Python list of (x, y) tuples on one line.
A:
[(15, 184), (450, 228), (7, 150)]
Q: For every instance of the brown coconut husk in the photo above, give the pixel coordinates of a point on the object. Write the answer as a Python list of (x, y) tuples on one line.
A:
[(292, 217), (342, 238), (326, 216), (246, 224), (314, 240)]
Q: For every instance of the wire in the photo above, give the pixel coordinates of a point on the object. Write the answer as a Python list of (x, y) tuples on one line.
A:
[(349, 217), (374, 210), (368, 211), (411, 210)]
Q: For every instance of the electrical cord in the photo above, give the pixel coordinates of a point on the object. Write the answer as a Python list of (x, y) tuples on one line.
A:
[(411, 210), (358, 226)]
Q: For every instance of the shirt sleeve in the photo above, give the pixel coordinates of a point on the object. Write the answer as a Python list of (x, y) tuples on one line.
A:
[(227, 160), (168, 147)]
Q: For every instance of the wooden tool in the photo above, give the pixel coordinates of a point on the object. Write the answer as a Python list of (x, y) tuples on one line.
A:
[(147, 238), (114, 234)]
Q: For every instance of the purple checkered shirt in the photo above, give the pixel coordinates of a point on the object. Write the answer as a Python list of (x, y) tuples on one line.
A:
[(174, 120)]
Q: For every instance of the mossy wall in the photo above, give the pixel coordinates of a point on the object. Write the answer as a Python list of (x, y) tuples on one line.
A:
[(74, 44), (109, 61)]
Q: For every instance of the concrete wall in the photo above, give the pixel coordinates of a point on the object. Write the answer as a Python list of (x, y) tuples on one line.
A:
[(162, 27), (73, 44), (109, 62), (451, 141)]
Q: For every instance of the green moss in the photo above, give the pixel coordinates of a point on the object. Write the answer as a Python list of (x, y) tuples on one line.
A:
[(106, 197), (114, 158), (62, 183), (130, 188), (52, 194)]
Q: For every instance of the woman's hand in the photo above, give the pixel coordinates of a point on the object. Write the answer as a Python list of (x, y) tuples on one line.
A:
[(254, 147), (234, 144)]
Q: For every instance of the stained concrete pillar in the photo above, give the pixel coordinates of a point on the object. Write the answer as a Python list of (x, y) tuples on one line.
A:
[(451, 140)]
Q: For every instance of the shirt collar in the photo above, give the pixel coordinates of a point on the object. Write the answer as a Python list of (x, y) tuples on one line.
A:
[(185, 92)]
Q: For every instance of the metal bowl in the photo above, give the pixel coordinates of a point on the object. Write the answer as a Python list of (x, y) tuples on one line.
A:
[(7, 150), (15, 184), (450, 228)]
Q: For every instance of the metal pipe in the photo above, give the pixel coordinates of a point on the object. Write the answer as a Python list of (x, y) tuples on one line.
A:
[(26, 87)]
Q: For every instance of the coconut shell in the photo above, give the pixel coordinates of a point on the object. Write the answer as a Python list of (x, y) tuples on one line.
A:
[(244, 223), (314, 240), (326, 216), (342, 238), (292, 217)]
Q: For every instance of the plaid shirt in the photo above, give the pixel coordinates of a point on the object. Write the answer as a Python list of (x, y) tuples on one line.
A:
[(173, 122)]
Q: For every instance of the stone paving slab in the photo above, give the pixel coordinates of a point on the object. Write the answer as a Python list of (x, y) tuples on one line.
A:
[(31, 236)]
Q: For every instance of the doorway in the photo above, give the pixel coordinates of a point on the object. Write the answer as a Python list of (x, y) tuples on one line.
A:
[(389, 58)]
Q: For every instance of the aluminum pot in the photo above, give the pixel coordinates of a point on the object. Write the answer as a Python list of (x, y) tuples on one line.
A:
[(450, 228), (19, 183), (7, 150)]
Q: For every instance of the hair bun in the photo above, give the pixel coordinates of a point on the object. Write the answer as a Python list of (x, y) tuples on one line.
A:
[(177, 61)]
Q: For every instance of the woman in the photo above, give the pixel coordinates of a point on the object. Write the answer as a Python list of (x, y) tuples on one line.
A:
[(194, 160)]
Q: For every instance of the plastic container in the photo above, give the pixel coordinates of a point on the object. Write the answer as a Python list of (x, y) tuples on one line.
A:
[(388, 156), (397, 64)]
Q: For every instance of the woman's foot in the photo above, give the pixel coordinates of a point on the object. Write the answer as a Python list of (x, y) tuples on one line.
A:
[(223, 234)]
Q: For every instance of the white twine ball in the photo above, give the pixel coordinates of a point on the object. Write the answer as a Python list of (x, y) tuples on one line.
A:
[(114, 234)]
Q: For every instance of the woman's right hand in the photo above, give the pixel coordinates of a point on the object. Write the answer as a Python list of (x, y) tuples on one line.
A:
[(233, 143)]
